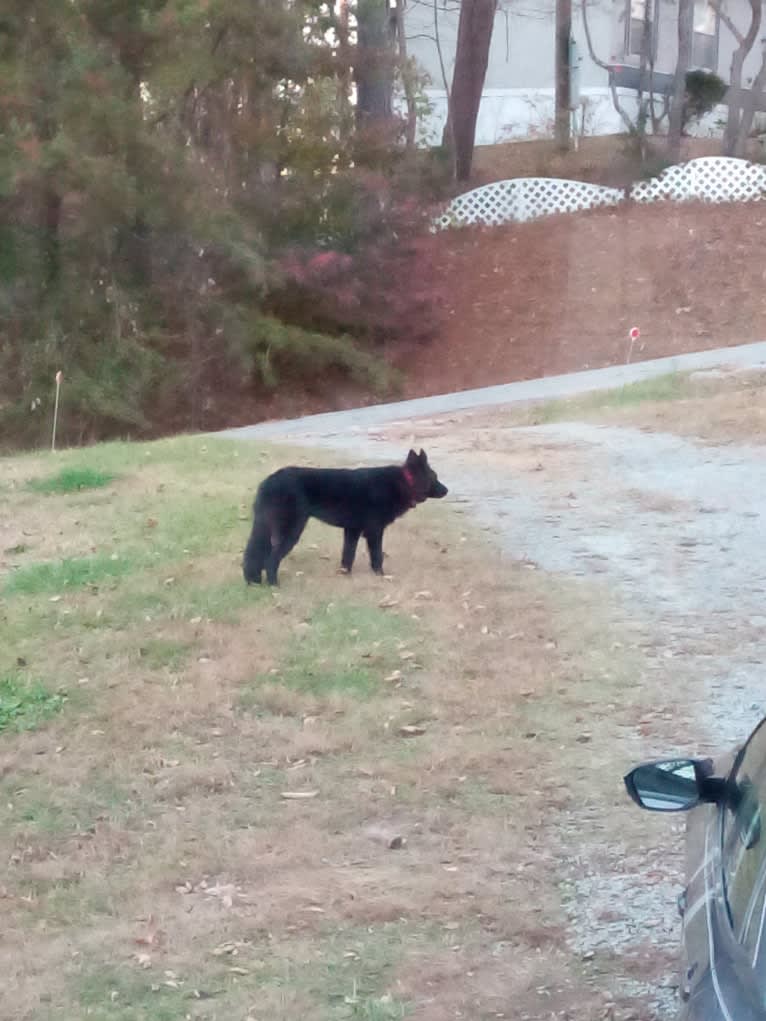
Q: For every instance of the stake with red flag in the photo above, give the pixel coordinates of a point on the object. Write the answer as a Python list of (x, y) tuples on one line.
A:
[(59, 377), (634, 335)]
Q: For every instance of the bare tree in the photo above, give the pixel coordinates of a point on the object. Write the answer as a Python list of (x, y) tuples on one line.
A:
[(685, 43), (749, 102), (623, 114), (646, 97), (407, 71), (735, 138), (563, 117), (474, 36)]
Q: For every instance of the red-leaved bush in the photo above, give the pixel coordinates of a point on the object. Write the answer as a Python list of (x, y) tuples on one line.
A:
[(368, 275)]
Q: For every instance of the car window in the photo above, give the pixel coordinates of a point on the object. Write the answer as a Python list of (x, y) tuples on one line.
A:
[(744, 844)]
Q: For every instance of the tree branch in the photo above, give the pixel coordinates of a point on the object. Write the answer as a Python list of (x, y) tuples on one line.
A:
[(606, 67), (717, 7), (589, 38)]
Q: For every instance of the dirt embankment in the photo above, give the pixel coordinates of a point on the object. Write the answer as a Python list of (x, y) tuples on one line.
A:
[(561, 294)]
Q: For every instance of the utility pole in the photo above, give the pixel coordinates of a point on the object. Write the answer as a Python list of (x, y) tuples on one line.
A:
[(563, 74)]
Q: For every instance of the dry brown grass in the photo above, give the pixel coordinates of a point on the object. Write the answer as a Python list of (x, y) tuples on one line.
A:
[(715, 408), (716, 412), (155, 869)]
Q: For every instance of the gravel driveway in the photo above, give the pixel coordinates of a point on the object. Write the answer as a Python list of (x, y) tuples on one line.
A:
[(671, 532)]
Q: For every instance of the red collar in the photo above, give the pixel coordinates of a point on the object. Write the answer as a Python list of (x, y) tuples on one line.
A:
[(408, 478)]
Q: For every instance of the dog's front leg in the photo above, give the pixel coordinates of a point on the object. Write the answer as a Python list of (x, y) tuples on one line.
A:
[(350, 540), (374, 539)]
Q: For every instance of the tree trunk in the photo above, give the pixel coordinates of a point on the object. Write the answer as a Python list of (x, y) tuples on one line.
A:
[(685, 40), (563, 117), (477, 18), (748, 111), (646, 63), (344, 75), (732, 132), (407, 71), (374, 65), (629, 127), (732, 120)]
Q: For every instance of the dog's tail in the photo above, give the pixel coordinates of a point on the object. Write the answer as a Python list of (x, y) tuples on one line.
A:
[(258, 546)]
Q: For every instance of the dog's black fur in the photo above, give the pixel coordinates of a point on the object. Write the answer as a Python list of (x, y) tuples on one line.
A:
[(361, 501)]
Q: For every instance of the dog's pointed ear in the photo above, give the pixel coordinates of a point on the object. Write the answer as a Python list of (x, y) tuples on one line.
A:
[(422, 456), (412, 458)]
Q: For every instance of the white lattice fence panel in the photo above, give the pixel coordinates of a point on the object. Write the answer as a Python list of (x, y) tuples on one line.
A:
[(525, 198), (709, 179)]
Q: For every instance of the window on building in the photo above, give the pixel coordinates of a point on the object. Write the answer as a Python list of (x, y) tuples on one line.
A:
[(637, 25), (705, 44)]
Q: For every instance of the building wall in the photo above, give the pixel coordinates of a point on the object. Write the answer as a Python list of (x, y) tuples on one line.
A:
[(518, 96)]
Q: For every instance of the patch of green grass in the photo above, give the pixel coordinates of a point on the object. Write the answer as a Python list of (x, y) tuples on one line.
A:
[(342, 647), (669, 387), (386, 1008), (72, 480), (122, 994), (59, 810), (78, 899), (196, 525), (73, 572), (24, 705), (157, 653), (188, 599), (345, 972)]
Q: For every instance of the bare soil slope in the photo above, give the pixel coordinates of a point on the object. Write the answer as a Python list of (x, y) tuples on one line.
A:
[(561, 294)]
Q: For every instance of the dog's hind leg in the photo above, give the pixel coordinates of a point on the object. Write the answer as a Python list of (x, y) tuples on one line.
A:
[(350, 540), (256, 551), (374, 537), (281, 544)]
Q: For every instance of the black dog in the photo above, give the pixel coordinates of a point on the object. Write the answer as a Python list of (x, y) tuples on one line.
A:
[(361, 501)]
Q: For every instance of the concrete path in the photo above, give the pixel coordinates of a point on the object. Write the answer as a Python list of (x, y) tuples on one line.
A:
[(547, 388)]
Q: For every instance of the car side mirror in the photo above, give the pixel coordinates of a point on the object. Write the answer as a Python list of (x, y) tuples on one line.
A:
[(669, 785)]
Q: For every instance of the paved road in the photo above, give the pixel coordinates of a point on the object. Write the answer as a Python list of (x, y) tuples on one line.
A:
[(547, 388)]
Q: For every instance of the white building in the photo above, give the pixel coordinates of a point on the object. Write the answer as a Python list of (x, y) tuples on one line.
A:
[(518, 97)]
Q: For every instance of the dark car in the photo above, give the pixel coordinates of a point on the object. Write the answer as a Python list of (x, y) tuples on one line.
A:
[(723, 973)]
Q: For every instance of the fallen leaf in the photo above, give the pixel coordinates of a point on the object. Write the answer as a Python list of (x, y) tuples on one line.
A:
[(411, 730), (226, 892), (152, 934), (226, 948)]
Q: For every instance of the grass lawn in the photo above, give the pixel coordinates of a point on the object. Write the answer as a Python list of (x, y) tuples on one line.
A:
[(326, 801)]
